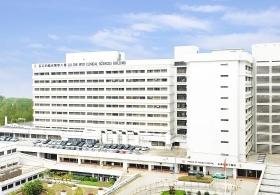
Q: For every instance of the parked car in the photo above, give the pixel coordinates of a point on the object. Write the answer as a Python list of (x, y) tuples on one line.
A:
[(219, 176), (131, 148), (96, 145), (89, 145), (46, 141), (120, 146), (114, 146), (36, 141), (2, 138), (108, 146), (195, 172), (126, 146), (145, 148), (81, 144), (8, 138), (14, 139)]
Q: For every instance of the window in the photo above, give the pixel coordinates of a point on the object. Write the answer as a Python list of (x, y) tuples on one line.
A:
[(224, 108), (182, 131), (224, 64), (224, 98), (224, 130), (181, 70), (224, 119), (224, 142), (181, 87), (224, 86), (224, 75)]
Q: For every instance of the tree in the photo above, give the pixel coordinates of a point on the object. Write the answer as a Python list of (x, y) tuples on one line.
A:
[(79, 191), (32, 188)]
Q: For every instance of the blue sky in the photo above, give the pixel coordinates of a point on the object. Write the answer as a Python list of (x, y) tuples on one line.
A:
[(43, 31)]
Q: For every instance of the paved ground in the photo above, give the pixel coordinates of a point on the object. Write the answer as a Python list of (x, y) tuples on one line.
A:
[(245, 186)]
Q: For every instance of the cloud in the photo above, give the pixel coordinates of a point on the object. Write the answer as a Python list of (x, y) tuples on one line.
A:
[(68, 50), (54, 37), (152, 22), (5, 75), (117, 39), (234, 40), (269, 17), (203, 8), (35, 46)]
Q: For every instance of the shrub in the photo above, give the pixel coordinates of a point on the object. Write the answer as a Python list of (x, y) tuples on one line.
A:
[(93, 179), (198, 192), (197, 176), (50, 191), (30, 188), (112, 181), (177, 192), (194, 179), (78, 191), (189, 192), (206, 193)]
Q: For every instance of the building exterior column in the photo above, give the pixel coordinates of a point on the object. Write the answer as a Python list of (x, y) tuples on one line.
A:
[(38, 154), (191, 167), (125, 165), (79, 161), (234, 173), (58, 159), (100, 163), (150, 167), (204, 170)]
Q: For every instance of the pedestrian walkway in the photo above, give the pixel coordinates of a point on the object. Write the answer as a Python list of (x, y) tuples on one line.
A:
[(245, 186)]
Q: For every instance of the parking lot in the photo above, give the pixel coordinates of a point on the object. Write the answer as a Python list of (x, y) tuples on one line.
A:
[(94, 146)]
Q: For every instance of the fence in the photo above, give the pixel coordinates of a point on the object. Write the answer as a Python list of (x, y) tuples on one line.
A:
[(115, 188)]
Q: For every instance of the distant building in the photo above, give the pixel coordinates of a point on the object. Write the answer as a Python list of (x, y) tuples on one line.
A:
[(267, 97)]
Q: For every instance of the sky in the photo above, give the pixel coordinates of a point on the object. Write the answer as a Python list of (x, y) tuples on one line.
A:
[(44, 31)]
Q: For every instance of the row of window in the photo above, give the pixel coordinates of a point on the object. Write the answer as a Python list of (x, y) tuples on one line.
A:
[(268, 108), (102, 122), (107, 114), (268, 89), (267, 69), (102, 89), (267, 79), (102, 72), (102, 97), (102, 105), (101, 80), (268, 118), (268, 98)]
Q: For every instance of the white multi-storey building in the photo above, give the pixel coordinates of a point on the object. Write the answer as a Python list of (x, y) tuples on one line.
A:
[(107, 98), (267, 93), (219, 104), (198, 101)]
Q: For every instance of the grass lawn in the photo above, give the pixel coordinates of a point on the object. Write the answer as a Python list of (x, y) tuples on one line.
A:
[(177, 192), (194, 179), (59, 187), (99, 184)]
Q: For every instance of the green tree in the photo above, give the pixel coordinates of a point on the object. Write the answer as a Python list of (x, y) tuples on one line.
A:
[(79, 191), (32, 188)]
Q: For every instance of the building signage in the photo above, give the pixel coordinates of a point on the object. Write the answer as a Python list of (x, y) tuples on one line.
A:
[(81, 64)]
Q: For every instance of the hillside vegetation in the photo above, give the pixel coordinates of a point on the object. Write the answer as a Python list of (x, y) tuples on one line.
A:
[(14, 109)]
